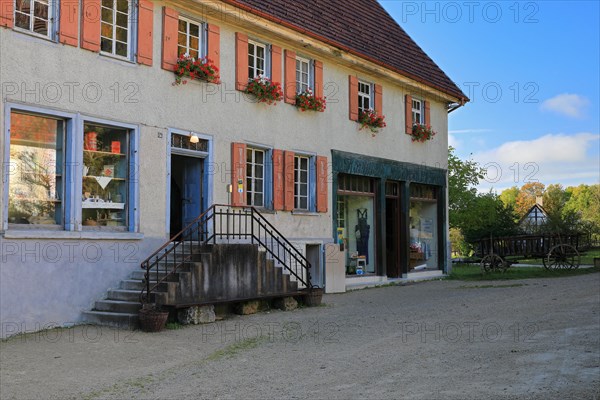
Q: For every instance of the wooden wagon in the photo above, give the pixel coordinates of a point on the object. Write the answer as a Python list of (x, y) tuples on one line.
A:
[(556, 251)]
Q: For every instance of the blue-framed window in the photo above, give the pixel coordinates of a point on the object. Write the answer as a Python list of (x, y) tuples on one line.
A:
[(116, 30), (305, 176), (259, 176), (37, 17), (70, 172)]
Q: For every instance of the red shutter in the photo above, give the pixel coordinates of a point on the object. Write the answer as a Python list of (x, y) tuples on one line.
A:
[(241, 61), (322, 184), (427, 115), (90, 25), (353, 98), (288, 203), (290, 77), (238, 174), (6, 13), (214, 44), (145, 28), (69, 22), (278, 180), (378, 99), (169, 38), (318, 78), (408, 113), (276, 64)]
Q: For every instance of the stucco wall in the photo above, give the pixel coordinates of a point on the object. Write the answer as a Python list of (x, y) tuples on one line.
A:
[(41, 73)]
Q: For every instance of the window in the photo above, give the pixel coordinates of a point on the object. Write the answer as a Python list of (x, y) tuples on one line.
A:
[(105, 179), (301, 182), (255, 177), (115, 37), (35, 16), (189, 40), (36, 192), (256, 59), (70, 175), (364, 96), (417, 112), (302, 75)]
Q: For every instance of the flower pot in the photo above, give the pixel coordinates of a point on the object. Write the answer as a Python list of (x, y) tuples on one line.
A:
[(313, 297), (153, 320)]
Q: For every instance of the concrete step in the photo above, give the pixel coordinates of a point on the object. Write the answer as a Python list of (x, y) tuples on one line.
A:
[(118, 306), (132, 284), (139, 275), (115, 320), (124, 295)]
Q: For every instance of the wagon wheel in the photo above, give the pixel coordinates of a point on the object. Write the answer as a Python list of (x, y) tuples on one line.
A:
[(562, 256), (493, 262)]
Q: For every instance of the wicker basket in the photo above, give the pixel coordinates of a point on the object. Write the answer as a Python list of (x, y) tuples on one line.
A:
[(153, 320), (313, 297)]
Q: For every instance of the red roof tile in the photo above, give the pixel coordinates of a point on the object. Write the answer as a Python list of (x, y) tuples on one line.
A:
[(362, 27)]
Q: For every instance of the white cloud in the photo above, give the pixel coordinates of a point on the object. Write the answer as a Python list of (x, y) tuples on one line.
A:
[(453, 141), (554, 158), (570, 105)]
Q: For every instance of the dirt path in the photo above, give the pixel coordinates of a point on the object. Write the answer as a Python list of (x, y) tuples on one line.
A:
[(445, 339)]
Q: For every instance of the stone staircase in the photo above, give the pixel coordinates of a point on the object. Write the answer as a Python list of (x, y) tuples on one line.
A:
[(214, 274)]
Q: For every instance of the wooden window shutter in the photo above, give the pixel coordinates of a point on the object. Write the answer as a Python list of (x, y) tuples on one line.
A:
[(90, 25), (238, 173), (169, 38), (214, 44), (353, 98), (276, 64), (378, 99), (322, 186), (278, 180), (7, 11), (69, 22), (288, 202), (408, 113), (145, 31), (318, 78), (241, 61), (290, 77), (427, 114)]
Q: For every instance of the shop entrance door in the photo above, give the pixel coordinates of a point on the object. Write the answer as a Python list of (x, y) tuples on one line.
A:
[(392, 223)]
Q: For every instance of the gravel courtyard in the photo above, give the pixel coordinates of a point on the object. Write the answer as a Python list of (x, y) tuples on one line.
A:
[(536, 339)]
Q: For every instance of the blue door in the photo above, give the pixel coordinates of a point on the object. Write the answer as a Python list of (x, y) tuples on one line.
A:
[(186, 183)]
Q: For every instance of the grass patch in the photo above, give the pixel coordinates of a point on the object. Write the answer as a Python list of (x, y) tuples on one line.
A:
[(173, 326), (469, 272), (587, 258), (236, 348)]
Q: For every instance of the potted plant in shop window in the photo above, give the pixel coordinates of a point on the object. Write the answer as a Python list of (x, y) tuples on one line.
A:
[(370, 119), (202, 69), (307, 100), (265, 90), (422, 133)]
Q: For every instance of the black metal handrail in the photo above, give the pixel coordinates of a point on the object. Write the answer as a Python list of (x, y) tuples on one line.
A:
[(223, 223)]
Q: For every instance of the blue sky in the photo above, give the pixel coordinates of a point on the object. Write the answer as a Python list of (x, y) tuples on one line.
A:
[(532, 70)]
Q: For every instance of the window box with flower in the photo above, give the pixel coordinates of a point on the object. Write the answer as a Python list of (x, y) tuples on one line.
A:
[(422, 133), (202, 69), (306, 100), (370, 119), (265, 90)]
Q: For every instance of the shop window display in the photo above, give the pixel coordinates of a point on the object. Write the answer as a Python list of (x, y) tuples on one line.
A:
[(423, 229), (358, 234)]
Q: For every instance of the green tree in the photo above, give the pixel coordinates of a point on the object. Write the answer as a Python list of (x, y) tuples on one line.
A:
[(555, 198), (509, 196), (487, 216), (463, 176)]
